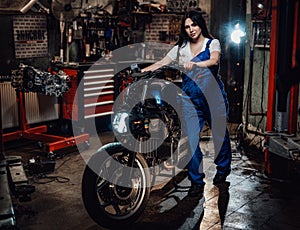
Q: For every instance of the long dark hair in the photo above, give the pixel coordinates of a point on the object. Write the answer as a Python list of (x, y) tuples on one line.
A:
[(196, 17)]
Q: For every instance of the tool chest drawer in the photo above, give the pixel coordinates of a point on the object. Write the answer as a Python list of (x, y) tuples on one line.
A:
[(91, 92), (98, 92)]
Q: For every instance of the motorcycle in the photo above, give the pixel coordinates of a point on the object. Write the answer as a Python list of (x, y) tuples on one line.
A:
[(117, 180)]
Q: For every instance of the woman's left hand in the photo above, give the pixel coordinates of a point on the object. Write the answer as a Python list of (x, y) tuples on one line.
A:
[(189, 65)]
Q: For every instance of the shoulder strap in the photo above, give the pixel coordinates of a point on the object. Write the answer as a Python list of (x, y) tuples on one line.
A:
[(208, 43)]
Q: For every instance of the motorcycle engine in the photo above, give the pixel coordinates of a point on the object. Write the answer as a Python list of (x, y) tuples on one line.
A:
[(158, 129), (30, 79)]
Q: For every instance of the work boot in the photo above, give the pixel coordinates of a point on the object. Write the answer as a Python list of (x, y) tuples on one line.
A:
[(196, 190), (219, 179)]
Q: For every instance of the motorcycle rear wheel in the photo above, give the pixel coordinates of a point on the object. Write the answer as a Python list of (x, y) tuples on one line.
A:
[(108, 203)]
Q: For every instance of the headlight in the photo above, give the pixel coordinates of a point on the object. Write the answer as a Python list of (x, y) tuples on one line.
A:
[(120, 122)]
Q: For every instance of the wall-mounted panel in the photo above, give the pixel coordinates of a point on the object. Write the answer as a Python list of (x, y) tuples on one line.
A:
[(30, 36)]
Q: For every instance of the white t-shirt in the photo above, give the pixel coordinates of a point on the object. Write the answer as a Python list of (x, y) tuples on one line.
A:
[(185, 53)]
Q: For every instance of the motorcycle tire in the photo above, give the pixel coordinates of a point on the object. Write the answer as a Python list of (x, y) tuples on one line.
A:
[(108, 203)]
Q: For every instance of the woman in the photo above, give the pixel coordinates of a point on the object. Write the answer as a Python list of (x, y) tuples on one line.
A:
[(199, 53)]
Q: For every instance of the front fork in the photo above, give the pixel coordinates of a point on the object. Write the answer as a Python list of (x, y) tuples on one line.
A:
[(132, 154), (131, 158)]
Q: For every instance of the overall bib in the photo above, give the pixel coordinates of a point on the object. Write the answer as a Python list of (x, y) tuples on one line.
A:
[(200, 86)]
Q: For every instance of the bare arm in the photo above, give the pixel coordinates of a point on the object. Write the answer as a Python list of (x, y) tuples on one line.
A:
[(165, 61), (214, 60)]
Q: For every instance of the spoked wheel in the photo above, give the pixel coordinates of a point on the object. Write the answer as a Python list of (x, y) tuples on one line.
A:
[(114, 195)]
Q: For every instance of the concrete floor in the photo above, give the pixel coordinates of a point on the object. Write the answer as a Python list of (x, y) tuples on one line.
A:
[(248, 201)]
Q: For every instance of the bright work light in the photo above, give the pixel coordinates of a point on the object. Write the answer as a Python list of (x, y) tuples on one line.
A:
[(237, 33)]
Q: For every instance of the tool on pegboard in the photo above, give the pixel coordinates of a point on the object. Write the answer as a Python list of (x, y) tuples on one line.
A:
[(181, 5)]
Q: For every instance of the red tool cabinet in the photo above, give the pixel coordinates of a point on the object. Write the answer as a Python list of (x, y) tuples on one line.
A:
[(91, 93)]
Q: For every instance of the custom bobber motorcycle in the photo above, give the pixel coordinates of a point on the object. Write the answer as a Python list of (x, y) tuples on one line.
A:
[(146, 122)]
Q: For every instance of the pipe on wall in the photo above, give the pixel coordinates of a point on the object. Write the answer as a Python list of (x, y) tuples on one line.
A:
[(28, 6)]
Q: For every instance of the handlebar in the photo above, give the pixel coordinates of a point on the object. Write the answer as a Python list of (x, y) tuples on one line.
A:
[(157, 72), (141, 74), (148, 74)]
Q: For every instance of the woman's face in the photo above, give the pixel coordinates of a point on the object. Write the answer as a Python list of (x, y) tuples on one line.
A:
[(192, 29)]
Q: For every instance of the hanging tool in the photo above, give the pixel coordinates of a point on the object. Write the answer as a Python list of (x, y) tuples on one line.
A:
[(62, 28)]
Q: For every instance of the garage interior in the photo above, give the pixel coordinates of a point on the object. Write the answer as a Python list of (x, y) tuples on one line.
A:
[(62, 68)]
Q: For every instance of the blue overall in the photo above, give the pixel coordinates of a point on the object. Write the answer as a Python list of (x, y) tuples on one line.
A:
[(198, 85)]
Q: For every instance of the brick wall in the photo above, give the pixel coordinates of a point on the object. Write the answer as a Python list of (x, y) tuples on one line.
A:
[(160, 34), (30, 36), (163, 23), (168, 23)]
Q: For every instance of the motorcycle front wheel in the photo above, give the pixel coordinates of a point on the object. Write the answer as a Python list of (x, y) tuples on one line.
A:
[(113, 197)]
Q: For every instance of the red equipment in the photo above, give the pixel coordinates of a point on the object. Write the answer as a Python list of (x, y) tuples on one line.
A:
[(278, 64), (50, 142)]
